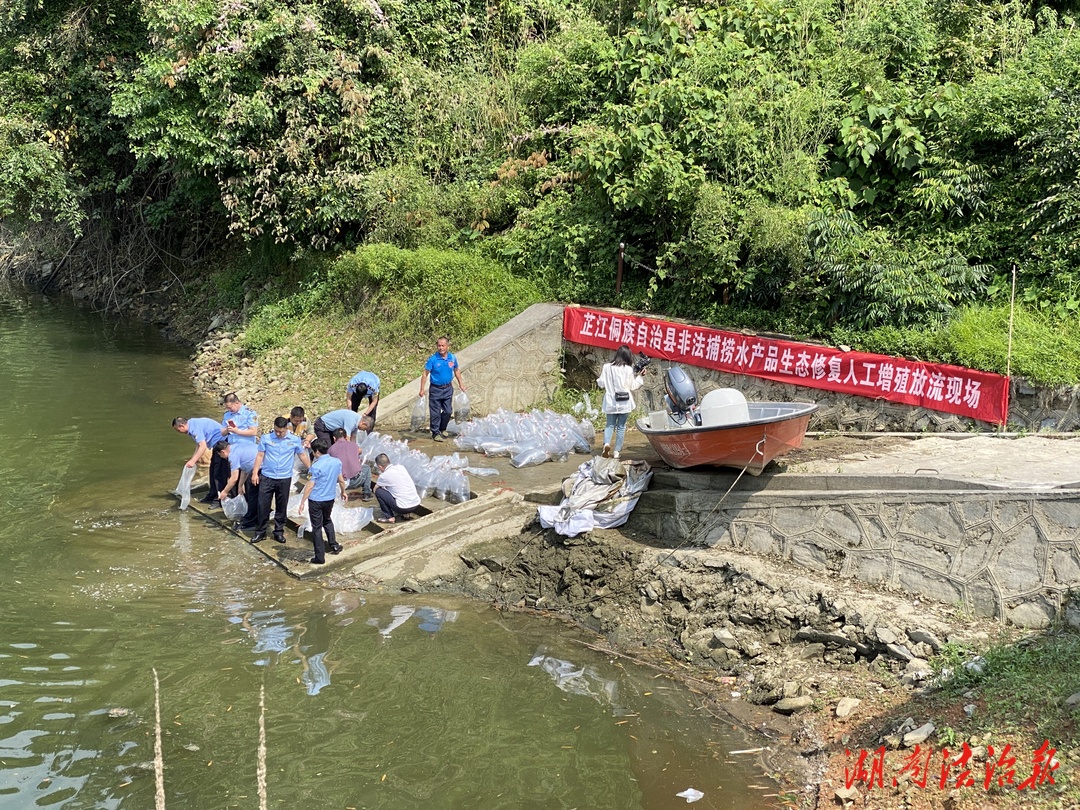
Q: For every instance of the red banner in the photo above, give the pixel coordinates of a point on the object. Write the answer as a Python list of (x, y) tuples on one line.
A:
[(952, 389)]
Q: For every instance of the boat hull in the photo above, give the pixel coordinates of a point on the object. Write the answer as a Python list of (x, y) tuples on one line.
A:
[(774, 428)]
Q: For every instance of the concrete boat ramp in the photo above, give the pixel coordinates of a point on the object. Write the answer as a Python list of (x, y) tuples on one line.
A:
[(990, 523), (428, 547)]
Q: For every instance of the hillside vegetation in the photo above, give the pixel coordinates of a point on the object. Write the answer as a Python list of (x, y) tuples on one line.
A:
[(869, 170)]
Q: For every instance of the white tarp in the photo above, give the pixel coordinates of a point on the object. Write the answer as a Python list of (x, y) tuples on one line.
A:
[(600, 495)]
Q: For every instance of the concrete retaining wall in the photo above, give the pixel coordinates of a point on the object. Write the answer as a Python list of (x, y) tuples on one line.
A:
[(515, 367), (1003, 554)]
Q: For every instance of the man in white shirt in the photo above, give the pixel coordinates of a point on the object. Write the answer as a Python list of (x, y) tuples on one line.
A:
[(395, 491)]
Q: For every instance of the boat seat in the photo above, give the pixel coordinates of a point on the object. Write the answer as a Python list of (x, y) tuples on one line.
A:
[(723, 406)]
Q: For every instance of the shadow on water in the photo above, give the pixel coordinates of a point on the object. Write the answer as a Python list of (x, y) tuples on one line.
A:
[(388, 701)]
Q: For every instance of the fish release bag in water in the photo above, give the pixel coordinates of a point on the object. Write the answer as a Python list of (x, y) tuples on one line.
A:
[(234, 508), (183, 489)]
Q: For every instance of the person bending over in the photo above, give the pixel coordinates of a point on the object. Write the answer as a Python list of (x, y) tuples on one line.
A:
[(357, 474), (363, 385), (343, 418), (206, 433), (241, 459)]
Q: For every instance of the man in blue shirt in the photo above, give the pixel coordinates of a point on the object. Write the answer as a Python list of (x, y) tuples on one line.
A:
[(206, 433), (363, 384), (272, 474), (343, 418), (241, 458), (326, 479), (442, 368), (239, 423)]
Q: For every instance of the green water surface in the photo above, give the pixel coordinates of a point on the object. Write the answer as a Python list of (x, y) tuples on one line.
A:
[(370, 702)]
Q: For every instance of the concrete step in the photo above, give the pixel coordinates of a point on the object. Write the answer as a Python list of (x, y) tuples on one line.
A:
[(390, 553), (782, 482)]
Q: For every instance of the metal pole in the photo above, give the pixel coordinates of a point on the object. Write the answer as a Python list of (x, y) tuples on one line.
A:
[(618, 271)]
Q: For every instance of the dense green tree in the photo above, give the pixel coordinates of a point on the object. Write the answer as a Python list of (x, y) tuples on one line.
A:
[(808, 163)]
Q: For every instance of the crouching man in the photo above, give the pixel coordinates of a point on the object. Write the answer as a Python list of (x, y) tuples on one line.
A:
[(395, 491)]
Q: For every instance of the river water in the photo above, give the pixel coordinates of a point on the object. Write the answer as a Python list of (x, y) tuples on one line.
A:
[(367, 702)]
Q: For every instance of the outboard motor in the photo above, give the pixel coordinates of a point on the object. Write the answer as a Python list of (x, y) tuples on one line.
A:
[(681, 399)]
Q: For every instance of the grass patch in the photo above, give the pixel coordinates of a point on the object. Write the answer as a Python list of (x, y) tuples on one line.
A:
[(1019, 697), (397, 296), (1045, 350)]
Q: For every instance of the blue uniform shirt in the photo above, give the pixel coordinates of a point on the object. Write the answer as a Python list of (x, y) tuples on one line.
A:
[(244, 418), (278, 454), (342, 418), (242, 456), (441, 371), (203, 429), (324, 472), (365, 377)]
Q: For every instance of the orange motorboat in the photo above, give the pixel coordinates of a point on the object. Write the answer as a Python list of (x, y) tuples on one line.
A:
[(772, 429), (724, 430)]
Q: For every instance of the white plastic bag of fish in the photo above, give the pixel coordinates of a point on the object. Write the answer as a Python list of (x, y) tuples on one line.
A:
[(183, 489), (234, 508)]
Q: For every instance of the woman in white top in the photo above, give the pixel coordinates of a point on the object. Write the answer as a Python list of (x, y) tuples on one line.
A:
[(618, 380)]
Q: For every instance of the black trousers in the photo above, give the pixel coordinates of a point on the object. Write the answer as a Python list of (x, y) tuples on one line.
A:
[(358, 399), (319, 512), (388, 504), (440, 407), (322, 431), (219, 474), (251, 492), (276, 490)]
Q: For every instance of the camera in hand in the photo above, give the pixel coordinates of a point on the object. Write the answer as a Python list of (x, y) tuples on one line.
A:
[(641, 362)]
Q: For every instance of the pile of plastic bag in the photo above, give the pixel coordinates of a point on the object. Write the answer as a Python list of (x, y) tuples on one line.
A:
[(442, 477), (601, 494), (346, 519), (528, 438), (420, 416)]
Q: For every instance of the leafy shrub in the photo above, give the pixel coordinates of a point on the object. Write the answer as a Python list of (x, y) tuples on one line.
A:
[(564, 76), (426, 292), (273, 324)]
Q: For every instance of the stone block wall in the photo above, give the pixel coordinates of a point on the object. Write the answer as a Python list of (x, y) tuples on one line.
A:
[(1005, 555)]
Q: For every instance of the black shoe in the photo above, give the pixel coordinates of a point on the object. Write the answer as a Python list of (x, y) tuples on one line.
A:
[(240, 527), (336, 548), (280, 538), (258, 538), (317, 561)]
